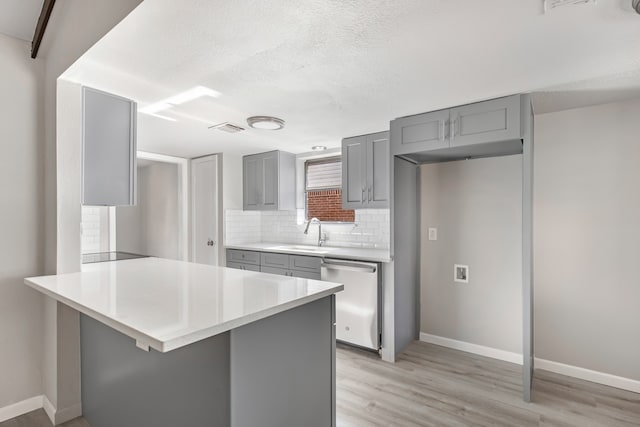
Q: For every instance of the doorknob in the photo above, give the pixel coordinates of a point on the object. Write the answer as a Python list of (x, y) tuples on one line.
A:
[(210, 242)]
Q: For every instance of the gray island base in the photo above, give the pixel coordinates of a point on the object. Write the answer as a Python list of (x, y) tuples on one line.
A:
[(275, 372)]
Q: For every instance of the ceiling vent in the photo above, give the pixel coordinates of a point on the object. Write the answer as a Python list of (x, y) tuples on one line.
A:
[(554, 4), (227, 127)]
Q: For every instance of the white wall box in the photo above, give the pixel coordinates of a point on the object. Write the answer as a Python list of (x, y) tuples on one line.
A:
[(365, 171), (483, 129), (108, 149), (269, 181)]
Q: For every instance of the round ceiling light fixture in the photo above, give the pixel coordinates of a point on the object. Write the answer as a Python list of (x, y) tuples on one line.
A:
[(319, 148), (636, 5), (265, 122)]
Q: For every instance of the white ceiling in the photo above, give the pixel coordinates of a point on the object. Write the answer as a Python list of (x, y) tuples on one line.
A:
[(333, 68), (18, 18)]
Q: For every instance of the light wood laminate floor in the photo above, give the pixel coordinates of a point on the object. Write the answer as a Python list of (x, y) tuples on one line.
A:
[(437, 386)]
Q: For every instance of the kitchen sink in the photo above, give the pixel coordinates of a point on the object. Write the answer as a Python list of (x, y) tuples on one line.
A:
[(301, 248)]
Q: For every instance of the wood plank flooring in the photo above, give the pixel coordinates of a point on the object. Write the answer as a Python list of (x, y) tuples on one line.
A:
[(437, 386)]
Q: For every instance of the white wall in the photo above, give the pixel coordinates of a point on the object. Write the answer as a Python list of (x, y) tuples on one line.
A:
[(476, 205), (21, 221), (75, 25), (152, 227), (587, 238)]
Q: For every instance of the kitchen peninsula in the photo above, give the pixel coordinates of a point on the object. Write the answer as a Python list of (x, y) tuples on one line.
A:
[(168, 343)]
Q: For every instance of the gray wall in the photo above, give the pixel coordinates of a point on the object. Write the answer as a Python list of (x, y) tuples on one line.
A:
[(152, 227), (587, 238), (476, 206), (21, 221)]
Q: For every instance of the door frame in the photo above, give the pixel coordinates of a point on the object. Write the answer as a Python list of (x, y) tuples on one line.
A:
[(217, 157), (184, 196)]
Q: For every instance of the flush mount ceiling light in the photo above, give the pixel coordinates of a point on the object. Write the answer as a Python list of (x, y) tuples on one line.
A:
[(178, 99), (265, 122), (318, 148)]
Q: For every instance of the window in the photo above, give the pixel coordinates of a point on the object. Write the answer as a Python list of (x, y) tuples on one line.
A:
[(323, 190)]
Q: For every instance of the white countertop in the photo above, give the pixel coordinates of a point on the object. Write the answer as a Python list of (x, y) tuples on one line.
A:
[(166, 304), (360, 254)]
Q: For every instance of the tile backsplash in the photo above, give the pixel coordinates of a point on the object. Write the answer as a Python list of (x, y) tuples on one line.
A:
[(370, 230)]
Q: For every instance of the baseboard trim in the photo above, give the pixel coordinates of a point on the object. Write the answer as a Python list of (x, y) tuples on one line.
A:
[(49, 409), (481, 350), (20, 408), (588, 375), (68, 413)]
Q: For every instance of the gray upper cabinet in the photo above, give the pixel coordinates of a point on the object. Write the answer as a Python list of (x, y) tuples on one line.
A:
[(269, 181), (108, 149), (423, 132), (488, 121), (365, 171), (492, 121)]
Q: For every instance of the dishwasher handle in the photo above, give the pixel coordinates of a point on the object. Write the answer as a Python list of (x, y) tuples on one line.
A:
[(334, 264)]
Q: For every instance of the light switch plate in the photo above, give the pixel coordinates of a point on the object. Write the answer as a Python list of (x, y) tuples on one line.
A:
[(433, 233), (461, 273)]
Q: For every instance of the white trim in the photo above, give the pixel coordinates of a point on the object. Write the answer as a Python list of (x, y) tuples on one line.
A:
[(588, 375), (481, 350), (59, 416), (67, 414), (20, 408), (49, 409)]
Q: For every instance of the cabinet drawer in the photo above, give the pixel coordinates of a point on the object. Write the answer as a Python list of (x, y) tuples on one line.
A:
[(272, 270), (305, 263), (306, 274), (243, 257), (246, 267), (268, 259)]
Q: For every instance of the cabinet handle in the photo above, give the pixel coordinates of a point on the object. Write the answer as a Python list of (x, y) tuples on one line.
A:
[(362, 199)]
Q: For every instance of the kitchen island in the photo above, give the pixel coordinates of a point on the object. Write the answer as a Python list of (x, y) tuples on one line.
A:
[(166, 343)]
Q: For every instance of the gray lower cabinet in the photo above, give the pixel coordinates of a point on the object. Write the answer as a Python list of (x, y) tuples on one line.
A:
[(365, 171), (269, 181), (108, 149), (240, 266), (490, 121), (307, 267)]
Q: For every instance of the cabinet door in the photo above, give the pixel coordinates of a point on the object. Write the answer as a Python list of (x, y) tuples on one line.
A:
[(378, 170), (235, 265), (269, 182), (109, 149), (422, 132), (489, 121), (273, 270), (251, 185), (306, 274), (354, 158)]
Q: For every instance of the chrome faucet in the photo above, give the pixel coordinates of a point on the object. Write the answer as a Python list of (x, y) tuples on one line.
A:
[(306, 230)]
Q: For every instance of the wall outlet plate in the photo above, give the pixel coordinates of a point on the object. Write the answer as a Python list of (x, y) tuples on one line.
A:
[(433, 233), (461, 273)]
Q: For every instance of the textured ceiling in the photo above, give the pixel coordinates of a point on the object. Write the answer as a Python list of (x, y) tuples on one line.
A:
[(339, 68), (18, 18)]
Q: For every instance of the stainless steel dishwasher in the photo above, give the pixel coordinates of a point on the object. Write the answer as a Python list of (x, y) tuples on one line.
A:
[(358, 306)]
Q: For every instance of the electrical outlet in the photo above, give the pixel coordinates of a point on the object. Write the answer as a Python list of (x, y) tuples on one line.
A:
[(433, 233), (461, 273)]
